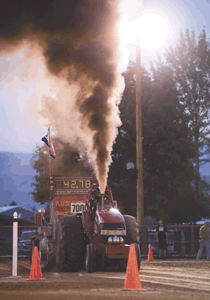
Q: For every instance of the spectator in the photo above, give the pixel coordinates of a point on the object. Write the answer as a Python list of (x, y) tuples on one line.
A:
[(204, 234), (162, 238)]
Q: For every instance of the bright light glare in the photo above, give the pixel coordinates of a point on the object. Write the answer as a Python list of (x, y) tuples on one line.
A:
[(151, 29)]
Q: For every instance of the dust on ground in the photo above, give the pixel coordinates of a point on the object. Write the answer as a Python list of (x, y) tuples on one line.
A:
[(160, 280)]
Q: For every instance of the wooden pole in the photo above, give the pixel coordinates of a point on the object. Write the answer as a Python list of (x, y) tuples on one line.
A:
[(139, 160)]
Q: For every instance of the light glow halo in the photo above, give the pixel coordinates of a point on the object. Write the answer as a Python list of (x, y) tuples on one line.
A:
[(150, 29)]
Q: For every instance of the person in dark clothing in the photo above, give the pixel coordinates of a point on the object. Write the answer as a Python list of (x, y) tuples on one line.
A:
[(162, 238), (96, 196)]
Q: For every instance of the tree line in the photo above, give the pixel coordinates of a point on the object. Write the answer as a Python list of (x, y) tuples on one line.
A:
[(175, 137)]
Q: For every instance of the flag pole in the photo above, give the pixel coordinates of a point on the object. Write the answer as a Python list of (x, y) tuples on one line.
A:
[(49, 156), (46, 139), (49, 166), (50, 163), (50, 173)]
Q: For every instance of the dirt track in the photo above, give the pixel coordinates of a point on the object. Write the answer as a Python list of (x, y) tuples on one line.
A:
[(171, 280)]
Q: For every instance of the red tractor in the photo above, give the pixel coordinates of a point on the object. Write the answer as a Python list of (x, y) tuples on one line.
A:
[(92, 236)]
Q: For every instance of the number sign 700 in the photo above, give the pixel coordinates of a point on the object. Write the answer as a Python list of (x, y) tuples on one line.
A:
[(76, 207)]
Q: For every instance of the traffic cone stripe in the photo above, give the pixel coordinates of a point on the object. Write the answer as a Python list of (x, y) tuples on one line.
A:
[(132, 279), (150, 254), (36, 272)]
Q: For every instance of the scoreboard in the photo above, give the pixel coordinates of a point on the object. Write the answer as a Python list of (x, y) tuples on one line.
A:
[(69, 195), (66, 186)]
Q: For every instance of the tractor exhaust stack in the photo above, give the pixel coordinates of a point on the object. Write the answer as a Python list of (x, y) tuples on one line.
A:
[(102, 201)]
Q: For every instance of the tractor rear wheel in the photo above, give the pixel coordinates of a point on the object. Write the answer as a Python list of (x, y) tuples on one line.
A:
[(132, 236), (132, 230), (90, 258), (70, 244)]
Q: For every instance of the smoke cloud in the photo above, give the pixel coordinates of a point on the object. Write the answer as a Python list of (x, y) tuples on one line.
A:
[(79, 42)]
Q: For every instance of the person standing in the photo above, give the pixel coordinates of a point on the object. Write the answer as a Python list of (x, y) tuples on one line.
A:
[(204, 234), (162, 238)]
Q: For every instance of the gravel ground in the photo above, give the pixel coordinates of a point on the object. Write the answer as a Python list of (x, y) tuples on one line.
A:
[(160, 280)]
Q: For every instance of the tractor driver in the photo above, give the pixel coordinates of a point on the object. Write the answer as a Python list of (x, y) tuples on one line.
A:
[(96, 197), (97, 194)]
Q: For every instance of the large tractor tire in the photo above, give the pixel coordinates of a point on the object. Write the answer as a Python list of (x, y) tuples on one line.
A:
[(90, 258), (132, 230), (132, 236), (70, 244)]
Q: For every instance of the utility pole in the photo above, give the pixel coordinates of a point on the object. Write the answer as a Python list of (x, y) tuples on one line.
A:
[(139, 160)]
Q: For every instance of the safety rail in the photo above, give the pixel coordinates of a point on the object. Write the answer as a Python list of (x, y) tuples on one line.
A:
[(183, 240)]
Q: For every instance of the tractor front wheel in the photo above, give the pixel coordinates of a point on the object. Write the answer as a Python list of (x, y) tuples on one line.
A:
[(90, 258), (132, 236)]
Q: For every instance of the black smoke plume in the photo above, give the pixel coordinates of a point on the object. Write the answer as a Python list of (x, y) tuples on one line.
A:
[(79, 41)]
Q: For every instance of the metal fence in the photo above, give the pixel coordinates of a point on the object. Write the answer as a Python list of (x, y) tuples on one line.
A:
[(183, 240)]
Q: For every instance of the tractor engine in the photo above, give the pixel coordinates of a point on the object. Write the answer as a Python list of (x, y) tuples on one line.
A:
[(108, 233), (110, 225)]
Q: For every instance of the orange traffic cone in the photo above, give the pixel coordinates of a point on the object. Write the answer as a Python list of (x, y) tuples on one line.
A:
[(132, 279), (150, 254), (36, 272)]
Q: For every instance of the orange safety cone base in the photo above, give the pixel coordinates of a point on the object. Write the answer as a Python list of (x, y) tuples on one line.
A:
[(41, 279), (150, 254), (134, 289), (141, 290), (132, 279), (36, 272)]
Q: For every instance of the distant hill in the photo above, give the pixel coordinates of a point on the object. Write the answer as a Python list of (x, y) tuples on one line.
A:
[(16, 176)]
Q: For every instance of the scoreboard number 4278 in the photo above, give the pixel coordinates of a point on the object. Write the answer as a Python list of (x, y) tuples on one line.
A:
[(76, 207)]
